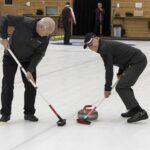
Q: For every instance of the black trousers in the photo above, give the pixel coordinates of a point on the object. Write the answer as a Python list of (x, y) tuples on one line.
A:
[(9, 71), (97, 28), (129, 78), (67, 32)]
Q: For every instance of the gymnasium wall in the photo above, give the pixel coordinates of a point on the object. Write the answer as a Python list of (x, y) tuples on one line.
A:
[(136, 25), (20, 7)]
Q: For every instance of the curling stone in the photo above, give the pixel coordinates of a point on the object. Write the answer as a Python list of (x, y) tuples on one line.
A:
[(83, 112)]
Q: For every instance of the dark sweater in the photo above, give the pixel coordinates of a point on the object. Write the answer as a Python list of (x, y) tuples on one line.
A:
[(66, 15), (118, 54), (25, 43)]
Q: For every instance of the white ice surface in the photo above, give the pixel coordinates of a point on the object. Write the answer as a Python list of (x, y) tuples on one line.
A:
[(69, 78)]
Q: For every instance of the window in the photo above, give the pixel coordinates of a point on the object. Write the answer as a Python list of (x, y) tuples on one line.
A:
[(51, 10), (8, 2)]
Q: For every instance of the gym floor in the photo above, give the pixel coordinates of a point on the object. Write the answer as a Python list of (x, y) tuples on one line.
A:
[(70, 77)]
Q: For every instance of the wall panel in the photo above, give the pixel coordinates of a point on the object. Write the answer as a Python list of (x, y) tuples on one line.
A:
[(134, 26), (19, 7)]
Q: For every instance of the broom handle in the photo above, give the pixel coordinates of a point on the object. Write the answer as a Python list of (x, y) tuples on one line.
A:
[(33, 83), (99, 102), (23, 70)]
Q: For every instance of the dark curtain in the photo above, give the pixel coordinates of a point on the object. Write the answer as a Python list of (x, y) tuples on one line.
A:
[(107, 17), (85, 16)]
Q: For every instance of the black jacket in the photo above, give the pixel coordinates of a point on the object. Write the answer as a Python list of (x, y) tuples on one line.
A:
[(25, 43), (66, 15), (118, 54)]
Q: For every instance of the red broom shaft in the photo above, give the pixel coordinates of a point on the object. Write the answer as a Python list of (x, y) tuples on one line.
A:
[(54, 111)]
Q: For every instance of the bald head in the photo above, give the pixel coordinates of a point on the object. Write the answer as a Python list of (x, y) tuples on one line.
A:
[(99, 5), (45, 26)]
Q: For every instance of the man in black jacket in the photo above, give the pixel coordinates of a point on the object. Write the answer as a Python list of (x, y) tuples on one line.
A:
[(28, 42), (67, 17), (131, 62)]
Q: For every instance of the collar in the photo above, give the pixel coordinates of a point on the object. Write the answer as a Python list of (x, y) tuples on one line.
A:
[(34, 28)]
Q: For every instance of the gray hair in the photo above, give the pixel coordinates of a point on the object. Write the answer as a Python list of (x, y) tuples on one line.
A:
[(48, 23)]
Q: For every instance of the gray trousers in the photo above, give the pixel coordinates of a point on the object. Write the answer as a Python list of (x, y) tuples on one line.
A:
[(130, 76)]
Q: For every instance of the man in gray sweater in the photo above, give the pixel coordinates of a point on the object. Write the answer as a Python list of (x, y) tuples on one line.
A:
[(131, 62), (28, 42)]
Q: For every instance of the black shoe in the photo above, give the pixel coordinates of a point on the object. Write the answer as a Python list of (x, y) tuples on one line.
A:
[(4, 118), (31, 118), (141, 115), (130, 113)]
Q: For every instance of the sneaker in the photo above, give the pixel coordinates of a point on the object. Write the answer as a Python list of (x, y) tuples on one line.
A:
[(141, 115), (4, 118), (31, 118), (130, 113)]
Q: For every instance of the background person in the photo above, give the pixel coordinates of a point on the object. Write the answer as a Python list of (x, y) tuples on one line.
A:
[(99, 19), (67, 18)]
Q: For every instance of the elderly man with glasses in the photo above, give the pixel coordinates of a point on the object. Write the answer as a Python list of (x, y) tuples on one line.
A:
[(131, 62)]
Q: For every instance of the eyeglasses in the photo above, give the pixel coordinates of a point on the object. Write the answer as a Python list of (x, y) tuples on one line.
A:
[(90, 44)]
